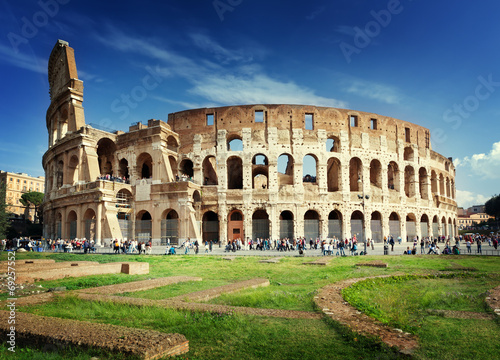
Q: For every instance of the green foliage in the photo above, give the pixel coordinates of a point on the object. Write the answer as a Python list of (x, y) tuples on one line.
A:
[(492, 206), (33, 198)]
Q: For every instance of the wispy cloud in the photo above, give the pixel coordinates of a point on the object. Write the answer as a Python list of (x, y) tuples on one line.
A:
[(22, 60), (371, 90), (483, 165), (315, 13), (244, 82), (467, 199)]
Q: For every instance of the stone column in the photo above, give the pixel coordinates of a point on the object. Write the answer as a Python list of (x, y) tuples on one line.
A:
[(98, 224)]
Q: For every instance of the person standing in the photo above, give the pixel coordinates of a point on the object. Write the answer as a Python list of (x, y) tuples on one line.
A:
[(478, 242)]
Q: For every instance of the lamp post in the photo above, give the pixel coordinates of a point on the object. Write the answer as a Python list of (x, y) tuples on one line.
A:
[(362, 198)]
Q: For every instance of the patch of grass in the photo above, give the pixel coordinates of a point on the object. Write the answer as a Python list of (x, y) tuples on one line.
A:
[(178, 289)]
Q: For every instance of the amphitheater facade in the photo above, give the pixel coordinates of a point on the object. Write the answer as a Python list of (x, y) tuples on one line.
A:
[(252, 171)]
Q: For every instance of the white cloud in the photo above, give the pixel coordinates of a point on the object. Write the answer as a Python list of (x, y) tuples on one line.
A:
[(23, 61), (483, 165), (384, 93), (315, 13), (466, 198), (243, 83)]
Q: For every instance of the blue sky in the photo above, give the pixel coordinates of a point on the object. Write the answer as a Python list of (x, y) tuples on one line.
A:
[(431, 63)]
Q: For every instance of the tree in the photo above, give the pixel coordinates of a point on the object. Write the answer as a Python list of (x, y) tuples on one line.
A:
[(32, 198), (492, 206), (4, 214)]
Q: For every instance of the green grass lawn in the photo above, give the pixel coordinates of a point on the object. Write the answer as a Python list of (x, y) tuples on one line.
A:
[(401, 302)]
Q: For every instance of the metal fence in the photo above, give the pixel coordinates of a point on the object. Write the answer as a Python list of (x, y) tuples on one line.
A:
[(394, 229), (143, 230), (376, 227), (357, 229), (335, 229), (170, 230), (260, 228), (286, 229), (311, 229)]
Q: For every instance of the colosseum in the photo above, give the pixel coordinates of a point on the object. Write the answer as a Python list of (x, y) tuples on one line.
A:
[(251, 171)]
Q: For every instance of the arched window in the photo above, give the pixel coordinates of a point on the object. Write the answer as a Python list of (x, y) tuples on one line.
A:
[(210, 171), (355, 174), (333, 173), (234, 173), (309, 169), (285, 169)]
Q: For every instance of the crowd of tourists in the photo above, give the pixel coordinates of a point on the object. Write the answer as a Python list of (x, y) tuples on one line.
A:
[(119, 179), (131, 246)]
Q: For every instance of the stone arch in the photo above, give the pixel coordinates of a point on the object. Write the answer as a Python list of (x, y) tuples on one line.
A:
[(210, 227), (441, 185), (186, 167), (424, 226), (60, 173), (333, 174), (355, 173), (286, 225), (143, 226), (448, 192), (409, 181), (260, 172), (393, 176), (235, 225), (435, 226), (145, 165), (376, 226), (234, 143), (411, 226), (89, 219), (376, 173), (73, 169), (434, 182), (423, 182), (196, 196), (210, 171), (260, 224), (311, 224), (309, 176), (451, 233), (333, 144), (124, 198), (408, 154), (71, 225), (335, 224), (285, 169), (172, 143), (106, 149), (170, 224), (234, 173), (123, 166), (394, 225), (357, 225)]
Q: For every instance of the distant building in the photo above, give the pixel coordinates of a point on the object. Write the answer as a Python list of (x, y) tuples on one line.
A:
[(476, 209), (461, 211), (472, 220), (17, 185)]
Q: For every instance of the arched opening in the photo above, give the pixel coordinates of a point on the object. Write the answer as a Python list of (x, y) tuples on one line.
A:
[(311, 225), (235, 144), (393, 176), (355, 174), (285, 170), (58, 230), (376, 226), (447, 166), (450, 228), (441, 185), (234, 173), (260, 172), (89, 219), (260, 224), (424, 226), (448, 192), (335, 224), (106, 156), (196, 196), (357, 225), (73, 174), (422, 183), (170, 227), (409, 181), (124, 174), (60, 173), (408, 154), (411, 227), (186, 167), (145, 165), (286, 225), (210, 225), (333, 174), (172, 161), (143, 226), (172, 143), (309, 169), (452, 186), (435, 226), (443, 226), (71, 225), (394, 228), (434, 182), (235, 225), (333, 144), (376, 173), (210, 171)]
